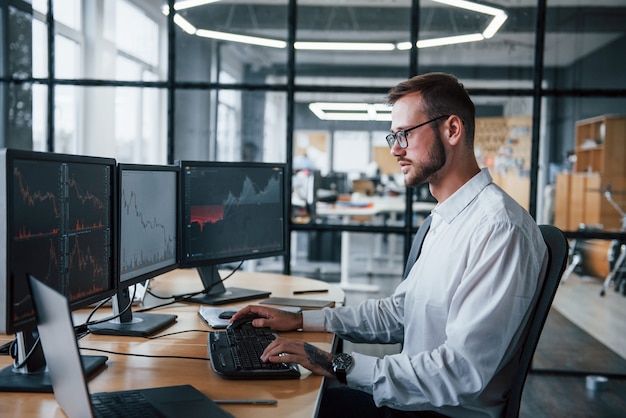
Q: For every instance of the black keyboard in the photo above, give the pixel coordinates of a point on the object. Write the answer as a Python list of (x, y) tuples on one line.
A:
[(127, 403), (235, 354)]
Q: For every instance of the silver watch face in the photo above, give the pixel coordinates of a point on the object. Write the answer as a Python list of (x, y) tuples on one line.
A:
[(342, 361)]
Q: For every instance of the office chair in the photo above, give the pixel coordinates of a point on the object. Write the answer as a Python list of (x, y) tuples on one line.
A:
[(557, 251)]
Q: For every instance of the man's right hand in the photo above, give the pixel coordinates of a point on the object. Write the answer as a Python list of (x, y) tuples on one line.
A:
[(276, 319)]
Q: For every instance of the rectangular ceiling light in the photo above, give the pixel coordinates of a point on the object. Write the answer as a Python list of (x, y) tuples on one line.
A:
[(345, 111)]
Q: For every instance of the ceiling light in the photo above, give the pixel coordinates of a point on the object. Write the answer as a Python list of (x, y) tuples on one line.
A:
[(343, 111), (450, 40), (252, 40), (344, 46), (468, 5), (499, 17), (188, 4), (495, 25), (184, 24)]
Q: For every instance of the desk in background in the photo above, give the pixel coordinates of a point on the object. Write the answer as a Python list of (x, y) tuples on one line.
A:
[(393, 207), (296, 398)]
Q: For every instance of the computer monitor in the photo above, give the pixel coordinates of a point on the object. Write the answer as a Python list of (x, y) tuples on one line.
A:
[(147, 231), (230, 212), (56, 223)]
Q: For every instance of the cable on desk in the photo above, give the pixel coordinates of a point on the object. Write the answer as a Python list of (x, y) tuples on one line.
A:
[(13, 353), (83, 329), (174, 333), (5, 349), (144, 355), (187, 295), (176, 300)]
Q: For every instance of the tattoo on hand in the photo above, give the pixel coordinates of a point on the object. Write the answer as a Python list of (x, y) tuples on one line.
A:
[(319, 357)]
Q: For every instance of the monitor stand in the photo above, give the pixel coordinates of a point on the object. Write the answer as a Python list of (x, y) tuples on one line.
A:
[(33, 376), (129, 323), (217, 294)]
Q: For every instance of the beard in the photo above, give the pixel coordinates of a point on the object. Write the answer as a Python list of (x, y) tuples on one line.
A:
[(422, 173)]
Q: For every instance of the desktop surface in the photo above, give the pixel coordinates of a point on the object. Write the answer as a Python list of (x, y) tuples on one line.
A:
[(296, 398)]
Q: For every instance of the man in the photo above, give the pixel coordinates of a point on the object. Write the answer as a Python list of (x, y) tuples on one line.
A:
[(461, 311)]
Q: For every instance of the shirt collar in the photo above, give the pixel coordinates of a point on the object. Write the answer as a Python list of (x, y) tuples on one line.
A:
[(454, 205)]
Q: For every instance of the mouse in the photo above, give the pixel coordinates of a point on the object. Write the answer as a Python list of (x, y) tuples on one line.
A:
[(226, 314), (238, 323)]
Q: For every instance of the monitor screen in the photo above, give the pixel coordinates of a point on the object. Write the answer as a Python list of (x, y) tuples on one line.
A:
[(147, 232), (230, 212), (148, 221), (56, 223)]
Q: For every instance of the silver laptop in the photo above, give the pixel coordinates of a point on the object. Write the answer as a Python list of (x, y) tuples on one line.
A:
[(69, 384)]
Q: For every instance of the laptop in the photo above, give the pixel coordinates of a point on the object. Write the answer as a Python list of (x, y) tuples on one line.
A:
[(69, 384)]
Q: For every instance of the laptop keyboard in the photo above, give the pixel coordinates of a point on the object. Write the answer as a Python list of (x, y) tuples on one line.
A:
[(235, 354), (123, 404)]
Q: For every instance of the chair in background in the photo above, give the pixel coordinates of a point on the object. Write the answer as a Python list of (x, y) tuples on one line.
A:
[(558, 252)]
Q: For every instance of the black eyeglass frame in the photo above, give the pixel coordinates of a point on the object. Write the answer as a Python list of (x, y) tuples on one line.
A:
[(392, 138)]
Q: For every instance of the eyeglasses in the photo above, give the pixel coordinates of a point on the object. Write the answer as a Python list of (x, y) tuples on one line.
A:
[(400, 136)]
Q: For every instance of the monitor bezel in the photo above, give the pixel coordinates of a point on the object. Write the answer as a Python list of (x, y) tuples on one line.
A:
[(214, 261), (161, 270), (7, 159)]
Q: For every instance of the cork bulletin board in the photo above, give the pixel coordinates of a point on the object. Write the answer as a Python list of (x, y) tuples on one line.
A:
[(503, 144)]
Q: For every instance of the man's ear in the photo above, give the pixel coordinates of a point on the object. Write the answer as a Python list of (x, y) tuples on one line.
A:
[(455, 127)]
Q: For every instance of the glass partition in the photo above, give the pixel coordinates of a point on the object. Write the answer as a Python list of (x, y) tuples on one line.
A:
[(126, 123), (230, 96), (247, 39), (351, 44), (236, 125), (584, 44), (122, 32)]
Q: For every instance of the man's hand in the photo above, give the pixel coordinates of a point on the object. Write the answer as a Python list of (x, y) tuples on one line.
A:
[(276, 319), (284, 350)]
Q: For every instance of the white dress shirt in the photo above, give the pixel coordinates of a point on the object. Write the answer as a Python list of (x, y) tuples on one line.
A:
[(459, 314)]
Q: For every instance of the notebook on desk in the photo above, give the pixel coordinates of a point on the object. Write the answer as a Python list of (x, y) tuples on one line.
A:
[(69, 384), (219, 318), (299, 302)]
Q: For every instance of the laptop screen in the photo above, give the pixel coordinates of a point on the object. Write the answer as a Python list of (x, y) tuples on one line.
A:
[(58, 340)]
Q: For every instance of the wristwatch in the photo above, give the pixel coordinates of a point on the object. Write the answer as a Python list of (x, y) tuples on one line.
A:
[(341, 364)]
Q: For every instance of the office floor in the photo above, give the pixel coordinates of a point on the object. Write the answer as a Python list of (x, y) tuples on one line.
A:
[(585, 333)]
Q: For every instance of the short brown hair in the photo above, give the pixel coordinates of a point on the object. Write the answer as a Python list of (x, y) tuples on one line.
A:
[(442, 94)]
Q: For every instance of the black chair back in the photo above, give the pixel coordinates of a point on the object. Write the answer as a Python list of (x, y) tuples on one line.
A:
[(558, 251)]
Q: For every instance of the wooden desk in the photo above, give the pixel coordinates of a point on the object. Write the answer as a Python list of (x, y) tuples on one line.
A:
[(296, 398)]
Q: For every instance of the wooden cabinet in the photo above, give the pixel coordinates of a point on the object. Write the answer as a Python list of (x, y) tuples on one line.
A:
[(600, 150), (601, 146)]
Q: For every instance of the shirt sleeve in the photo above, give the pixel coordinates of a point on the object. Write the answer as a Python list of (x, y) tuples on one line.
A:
[(372, 321)]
